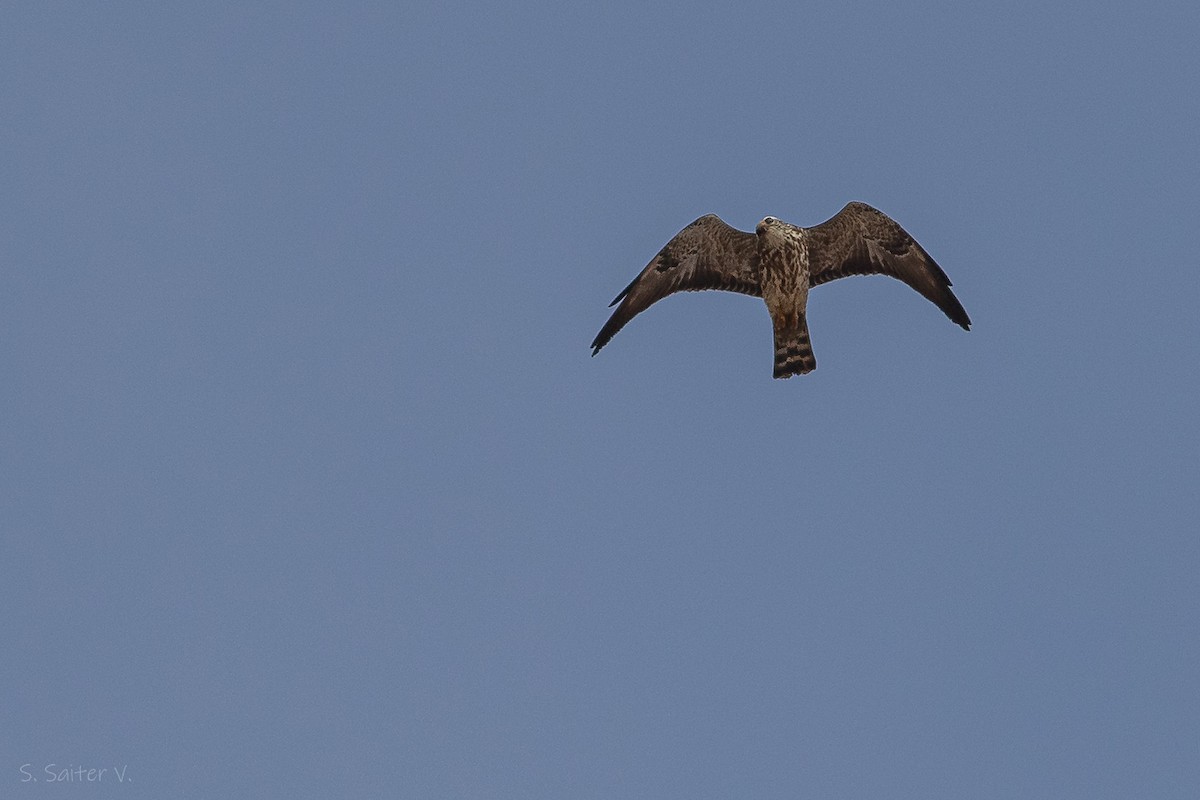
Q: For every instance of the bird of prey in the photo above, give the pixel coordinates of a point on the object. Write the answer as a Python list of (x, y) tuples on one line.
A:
[(779, 262)]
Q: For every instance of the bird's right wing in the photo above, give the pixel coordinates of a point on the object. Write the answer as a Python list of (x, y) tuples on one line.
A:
[(861, 240), (708, 254)]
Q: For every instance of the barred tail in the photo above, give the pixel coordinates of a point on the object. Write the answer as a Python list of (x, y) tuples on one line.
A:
[(793, 352)]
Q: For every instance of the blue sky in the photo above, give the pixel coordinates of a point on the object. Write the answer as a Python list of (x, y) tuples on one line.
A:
[(311, 488)]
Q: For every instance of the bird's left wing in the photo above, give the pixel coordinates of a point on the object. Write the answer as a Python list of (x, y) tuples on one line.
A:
[(861, 240), (708, 254)]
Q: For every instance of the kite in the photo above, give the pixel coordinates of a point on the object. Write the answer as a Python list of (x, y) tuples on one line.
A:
[(779, 262)]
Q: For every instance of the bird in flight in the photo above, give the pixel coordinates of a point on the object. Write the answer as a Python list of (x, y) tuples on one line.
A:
[(779, 262)]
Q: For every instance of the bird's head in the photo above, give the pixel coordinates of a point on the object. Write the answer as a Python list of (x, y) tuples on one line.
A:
[(772, 226), (765, 224)]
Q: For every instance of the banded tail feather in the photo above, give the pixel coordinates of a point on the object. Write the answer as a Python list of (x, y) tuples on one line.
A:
[(793, 351)]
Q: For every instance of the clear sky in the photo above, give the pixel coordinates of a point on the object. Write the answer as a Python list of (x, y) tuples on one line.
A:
[(311, 488)]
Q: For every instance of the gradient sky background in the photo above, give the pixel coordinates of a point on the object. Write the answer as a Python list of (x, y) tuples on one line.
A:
[(311, 489)]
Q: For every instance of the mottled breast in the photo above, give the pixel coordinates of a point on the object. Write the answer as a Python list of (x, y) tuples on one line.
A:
[(783, 256)]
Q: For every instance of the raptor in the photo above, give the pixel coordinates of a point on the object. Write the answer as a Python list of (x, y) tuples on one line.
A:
[(779, 262)]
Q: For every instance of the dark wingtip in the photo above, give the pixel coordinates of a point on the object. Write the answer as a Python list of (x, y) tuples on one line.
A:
[(953, 309), (598, 343), (610, 328)]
